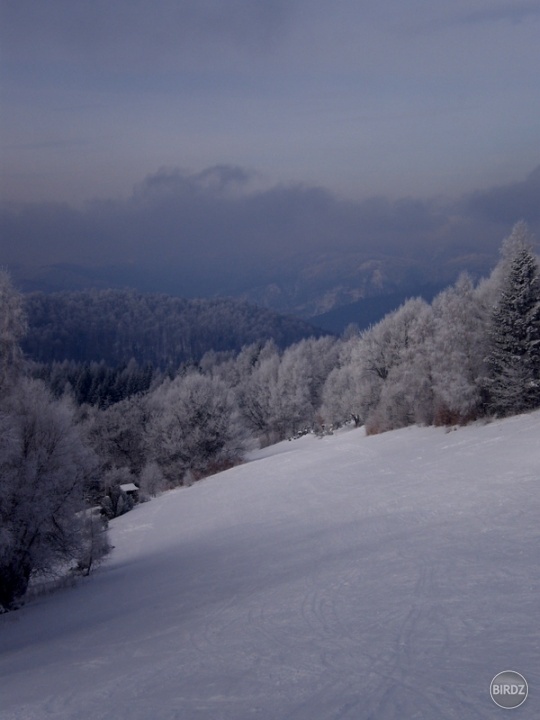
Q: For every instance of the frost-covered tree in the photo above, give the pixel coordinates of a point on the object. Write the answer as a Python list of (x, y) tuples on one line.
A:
[(95, 542), (290, 403), (115, 325), (279, 394), (44, 467), (383, 376), (195, 428), (321, 355), (342, 391), (459, 348), (117, 433), (514, 357), (151, 480), (255, 394), (406, 390)]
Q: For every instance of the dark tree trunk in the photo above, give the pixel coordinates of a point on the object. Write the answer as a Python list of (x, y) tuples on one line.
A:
[(14, 579)]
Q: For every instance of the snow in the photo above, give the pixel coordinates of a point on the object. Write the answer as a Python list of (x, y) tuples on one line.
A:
[(129, 487), (351, 577)]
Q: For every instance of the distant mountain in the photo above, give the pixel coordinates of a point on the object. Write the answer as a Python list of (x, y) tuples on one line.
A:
[(369, 311), (322, 283), (117, 325), (358, 287), (308, 286)]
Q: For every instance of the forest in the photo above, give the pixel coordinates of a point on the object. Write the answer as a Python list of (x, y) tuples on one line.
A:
[(114, 326), (75, 435)]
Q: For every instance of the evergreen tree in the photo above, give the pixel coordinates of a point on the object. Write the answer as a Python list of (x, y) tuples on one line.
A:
[(514, 358), (12, 330)]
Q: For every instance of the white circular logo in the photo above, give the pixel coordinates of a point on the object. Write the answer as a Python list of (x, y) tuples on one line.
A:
[(509, 689)]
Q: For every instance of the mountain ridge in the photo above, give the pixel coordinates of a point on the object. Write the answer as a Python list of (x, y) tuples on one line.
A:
[(116, 325)]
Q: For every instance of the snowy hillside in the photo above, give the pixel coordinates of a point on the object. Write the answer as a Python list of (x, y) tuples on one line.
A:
[(384, 577)]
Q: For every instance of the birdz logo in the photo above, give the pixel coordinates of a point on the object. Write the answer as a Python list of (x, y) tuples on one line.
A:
[(509, 689)]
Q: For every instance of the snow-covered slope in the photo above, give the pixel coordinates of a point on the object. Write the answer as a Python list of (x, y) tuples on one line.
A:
[(349, 577)]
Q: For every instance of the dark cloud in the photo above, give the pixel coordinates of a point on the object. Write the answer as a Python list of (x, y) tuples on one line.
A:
[(508, 203), (219, 179), (215, 232)]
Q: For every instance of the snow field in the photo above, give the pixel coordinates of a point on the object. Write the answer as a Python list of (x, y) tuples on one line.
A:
[(384, 577)]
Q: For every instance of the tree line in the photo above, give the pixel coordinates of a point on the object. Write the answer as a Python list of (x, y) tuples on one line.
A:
[(473, 353), (112, 326)]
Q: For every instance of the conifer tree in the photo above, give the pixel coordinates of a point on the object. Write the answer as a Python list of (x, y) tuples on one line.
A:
[(12, 330), (514, 358)]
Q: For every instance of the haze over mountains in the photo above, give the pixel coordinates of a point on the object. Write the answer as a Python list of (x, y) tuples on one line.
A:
[(296, 249), (291, 154)]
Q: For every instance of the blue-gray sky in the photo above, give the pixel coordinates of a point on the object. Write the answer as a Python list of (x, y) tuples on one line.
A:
[(364, 98), (194, 131)]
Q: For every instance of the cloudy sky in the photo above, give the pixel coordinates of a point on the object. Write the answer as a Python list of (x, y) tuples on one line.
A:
[(420, 103)]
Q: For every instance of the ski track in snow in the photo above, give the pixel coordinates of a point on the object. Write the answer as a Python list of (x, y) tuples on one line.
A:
[(381, 578)]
